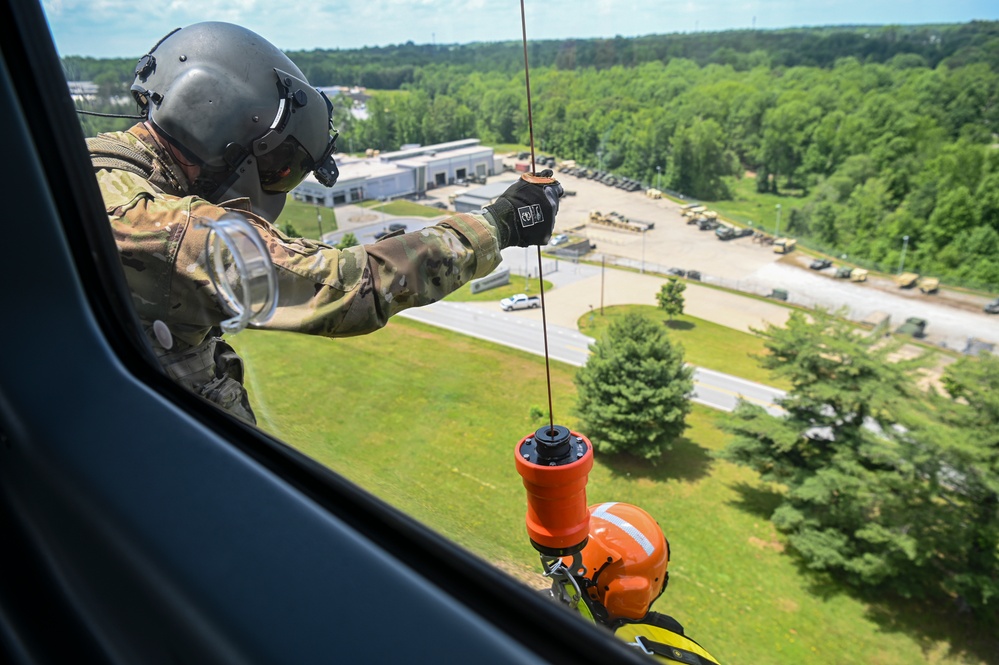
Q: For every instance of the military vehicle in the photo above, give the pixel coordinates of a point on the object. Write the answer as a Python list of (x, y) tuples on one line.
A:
[(820, 264), (992, 307), (913, 326), (906, 280), (784, 245), (858, 275), (618, 221), (730, 232), (928, 284)]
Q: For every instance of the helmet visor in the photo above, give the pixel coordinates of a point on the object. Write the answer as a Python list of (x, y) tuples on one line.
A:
[(284, 168)]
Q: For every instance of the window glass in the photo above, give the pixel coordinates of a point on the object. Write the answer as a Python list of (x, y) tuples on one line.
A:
[(695, 147)]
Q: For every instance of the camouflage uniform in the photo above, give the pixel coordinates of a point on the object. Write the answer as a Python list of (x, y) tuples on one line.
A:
[(322, 290)]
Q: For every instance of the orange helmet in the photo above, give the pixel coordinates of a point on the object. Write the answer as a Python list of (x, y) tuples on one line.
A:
[(626, 558)]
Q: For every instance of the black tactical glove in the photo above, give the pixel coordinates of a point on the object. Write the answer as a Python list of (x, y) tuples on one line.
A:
[(525, 212)]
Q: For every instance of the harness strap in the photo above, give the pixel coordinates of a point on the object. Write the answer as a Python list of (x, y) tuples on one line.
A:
[(671, 652), (114, 155)]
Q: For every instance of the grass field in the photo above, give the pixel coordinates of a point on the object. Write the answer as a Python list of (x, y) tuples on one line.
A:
[(403, 208), (748, 205), (303, 217), (516, 285), (428, 420), (706, 344)]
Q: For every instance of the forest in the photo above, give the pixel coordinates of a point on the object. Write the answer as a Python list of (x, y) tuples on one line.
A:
[(873, 134)]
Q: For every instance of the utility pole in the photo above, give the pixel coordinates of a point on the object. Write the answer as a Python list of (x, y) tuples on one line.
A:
[(527, 272), (643, 251), (777, 232), (603, 260), (319, 219), (905, 246)]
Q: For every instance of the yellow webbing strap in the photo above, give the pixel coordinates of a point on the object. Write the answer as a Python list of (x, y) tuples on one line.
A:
[(664, 645)]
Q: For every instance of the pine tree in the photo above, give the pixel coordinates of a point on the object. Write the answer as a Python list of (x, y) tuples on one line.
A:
[(883, 486), (634, 391), (970, 450)]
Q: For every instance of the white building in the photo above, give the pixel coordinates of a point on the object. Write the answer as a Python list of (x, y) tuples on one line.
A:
[(409, 172), (480, 197)]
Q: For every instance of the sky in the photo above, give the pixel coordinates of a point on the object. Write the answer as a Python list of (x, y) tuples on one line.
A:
[(127, 28)]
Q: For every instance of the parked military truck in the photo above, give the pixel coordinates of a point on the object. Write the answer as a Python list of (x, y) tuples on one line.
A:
[(616, 220), (784, 245), (906, 280), (693, 210), (913, 326), (928, 284)]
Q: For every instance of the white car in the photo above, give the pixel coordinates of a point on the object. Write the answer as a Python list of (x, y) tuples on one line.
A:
[(560, 239)]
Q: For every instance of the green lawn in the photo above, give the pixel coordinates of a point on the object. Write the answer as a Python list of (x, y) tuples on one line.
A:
[(303, 217), (516, 285), (748, 205), (705, 344), (428, 420), (403, 208)]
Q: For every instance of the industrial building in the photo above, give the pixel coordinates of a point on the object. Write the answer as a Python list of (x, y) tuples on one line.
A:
[(402, 173), (477, 198)]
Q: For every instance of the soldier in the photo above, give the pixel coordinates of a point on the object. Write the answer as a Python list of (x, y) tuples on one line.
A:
[(231, 124)]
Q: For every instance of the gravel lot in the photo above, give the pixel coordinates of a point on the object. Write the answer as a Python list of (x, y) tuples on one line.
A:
[(952, 317)]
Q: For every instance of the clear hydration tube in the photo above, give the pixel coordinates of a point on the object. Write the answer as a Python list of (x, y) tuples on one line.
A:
[(241, 270)]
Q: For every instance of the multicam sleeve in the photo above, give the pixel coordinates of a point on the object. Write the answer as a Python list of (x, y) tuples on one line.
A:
[(326, 291)]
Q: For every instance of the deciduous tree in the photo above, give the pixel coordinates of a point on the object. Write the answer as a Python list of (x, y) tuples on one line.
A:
[(670, 297)]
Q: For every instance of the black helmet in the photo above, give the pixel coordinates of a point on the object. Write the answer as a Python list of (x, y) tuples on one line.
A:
[(235, 105)]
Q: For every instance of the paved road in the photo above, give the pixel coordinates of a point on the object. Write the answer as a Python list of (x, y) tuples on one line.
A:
[(513, 329)]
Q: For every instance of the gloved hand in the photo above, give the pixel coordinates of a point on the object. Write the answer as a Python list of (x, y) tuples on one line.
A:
[(525, 212)]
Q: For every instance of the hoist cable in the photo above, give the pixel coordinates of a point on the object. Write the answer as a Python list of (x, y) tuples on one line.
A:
[(541, 276), (527, 79)]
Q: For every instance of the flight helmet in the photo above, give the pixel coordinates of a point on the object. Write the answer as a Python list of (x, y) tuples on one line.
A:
[(626, 557), (235, 105)]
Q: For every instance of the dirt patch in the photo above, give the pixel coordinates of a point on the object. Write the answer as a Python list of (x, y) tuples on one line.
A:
[(786, 605), (772, 545), (363, 218)]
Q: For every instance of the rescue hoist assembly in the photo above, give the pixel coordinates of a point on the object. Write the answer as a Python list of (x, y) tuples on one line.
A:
[(555, 464)]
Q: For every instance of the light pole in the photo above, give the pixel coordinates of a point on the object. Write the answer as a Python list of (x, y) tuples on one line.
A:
[(603, 262), (658, 173), (905, 246), (777, 232), (319, 219), (643, 250), (527, 272)]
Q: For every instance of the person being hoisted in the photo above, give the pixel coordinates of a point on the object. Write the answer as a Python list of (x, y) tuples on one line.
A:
[(608, 563), (624, 569)]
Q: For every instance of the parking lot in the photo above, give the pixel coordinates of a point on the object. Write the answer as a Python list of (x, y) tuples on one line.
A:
[(739, 264)]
